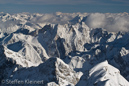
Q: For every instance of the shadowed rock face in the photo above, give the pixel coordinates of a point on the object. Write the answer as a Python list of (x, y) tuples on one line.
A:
[(65, 55), (7, 65), (53, 70)]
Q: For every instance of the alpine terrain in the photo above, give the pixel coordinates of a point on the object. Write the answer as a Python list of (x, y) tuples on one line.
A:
[(64, 49)]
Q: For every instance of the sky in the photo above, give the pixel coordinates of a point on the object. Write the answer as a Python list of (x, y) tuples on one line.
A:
[(65, 6)]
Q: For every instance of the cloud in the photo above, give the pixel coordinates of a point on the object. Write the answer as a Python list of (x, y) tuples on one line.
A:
[(53, 18), (96, 20), (110, 22)]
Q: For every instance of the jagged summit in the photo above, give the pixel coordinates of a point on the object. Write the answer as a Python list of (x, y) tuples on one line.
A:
[(62, 50), (53, 70)]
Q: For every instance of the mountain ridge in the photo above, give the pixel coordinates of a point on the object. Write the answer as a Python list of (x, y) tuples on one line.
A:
[(75, 53)]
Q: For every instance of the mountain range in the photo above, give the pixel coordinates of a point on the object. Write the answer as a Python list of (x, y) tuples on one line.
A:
[(63, 49)]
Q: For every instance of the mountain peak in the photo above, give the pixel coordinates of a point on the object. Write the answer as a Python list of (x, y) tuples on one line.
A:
[(65, 49)]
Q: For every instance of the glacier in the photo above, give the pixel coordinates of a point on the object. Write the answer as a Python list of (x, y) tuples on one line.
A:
[(64, 49)]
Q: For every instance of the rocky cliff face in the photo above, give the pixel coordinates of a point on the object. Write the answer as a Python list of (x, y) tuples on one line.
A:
[(64, 55)]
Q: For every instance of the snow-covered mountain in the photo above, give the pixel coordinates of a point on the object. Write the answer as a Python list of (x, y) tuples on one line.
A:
[(63, 49)]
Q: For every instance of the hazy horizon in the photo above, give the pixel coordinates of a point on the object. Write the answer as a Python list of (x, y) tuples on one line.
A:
[(68, 6)]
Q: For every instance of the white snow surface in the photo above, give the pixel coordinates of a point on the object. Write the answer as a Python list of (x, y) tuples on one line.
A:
[(65, 49)]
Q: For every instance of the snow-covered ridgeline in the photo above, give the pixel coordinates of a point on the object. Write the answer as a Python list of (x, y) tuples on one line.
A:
[(68, 53)]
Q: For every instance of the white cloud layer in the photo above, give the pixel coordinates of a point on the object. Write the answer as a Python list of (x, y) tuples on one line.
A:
[(110, 22), (53, 18)]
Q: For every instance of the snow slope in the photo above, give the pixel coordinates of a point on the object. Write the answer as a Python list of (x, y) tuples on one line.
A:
[(63, 49)]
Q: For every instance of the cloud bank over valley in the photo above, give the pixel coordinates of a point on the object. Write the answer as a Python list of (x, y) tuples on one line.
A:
[(112, 22)]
